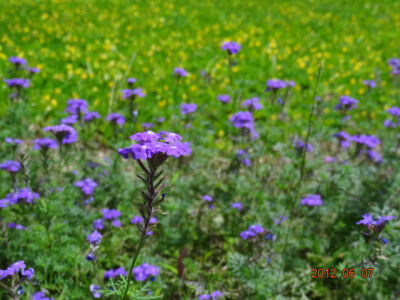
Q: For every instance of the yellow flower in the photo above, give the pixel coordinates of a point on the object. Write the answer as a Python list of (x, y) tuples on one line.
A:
[(162, 103), (273, 117), (57, 91), (53, 102), (221, 133)]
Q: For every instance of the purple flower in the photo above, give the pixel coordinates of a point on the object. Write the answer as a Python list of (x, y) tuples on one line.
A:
[(375, 156), (247, 234), (180, 72), (146, 137), (224, 98), (13, 141), (344, 138), (93, 288), (394, 111), (207, 198), (33, 70), (15, 268), (16, 226), (4, 203), (143, 271), (90, 116), (389, 123), (394, 63), (290, 83), (300, 145), (153, 220), (280, 219), (370, 141), (70, 120), (131, 80), (252, 104), (237, 205), (17, 82), (311, 200), (28, 273), (70, 138), (87, 185), (330, 159), (98, 224), (137, 220), (346, 103), (116, 118), (60, 131), (216, 294), (161, 120), (120, 272), (44, 143), (94, 238), (110, 214), (76, 106), (256, 229), (368, 220), (40, 296), (116, 223), (242, 119), (187, 108), (204, 297), (275, 84), (170, 137), (24, 194), (231, 47), (127, 93), (17, 60), (147, 126), (369, 83), (11, 166)]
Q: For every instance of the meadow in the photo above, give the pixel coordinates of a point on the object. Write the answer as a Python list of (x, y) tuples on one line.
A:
[(199, 149)]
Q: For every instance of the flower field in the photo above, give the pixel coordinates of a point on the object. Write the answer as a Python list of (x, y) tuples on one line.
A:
[(199, 149)]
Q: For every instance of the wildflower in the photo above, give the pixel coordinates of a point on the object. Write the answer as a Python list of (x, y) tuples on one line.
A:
[(153, 220), (330, 159), (11, 166), (224, 98), (231, 47), (137, 220), (161, 120), (60, 131), (17, 61), (112, 273), (344, 138), (44, 143), (33, 70), (369, 83), (207, 198), (346, 103), (116, 118), (17, 82), (394, 63), (131, 80), (15, 268), (90, 116), (280, 219), (116, 223), (300, 145), (93, 288), (187, 108), (269, 236), (98, 224), (242, 119), (13, 141), (290, 83), (180, 72), (76, 106), (110, 214), (394, 111), (16, 226), (143, 271), (244, 157), (370, 141), (127, 93), (252, 104), (311, 200), (147, 126), (70, 138), (24, 194), (87, 185), (40, 296), (237, 205), (70, 120), (275, 84), (94, 238)]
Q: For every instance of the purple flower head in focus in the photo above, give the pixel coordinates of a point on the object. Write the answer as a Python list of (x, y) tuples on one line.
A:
[(252, 231), (311, 200), (374, 225), (187, 108), (112, 273), (231, 47), (94, 238), (60, 131), (252, 104), (15, 268), (22, 195), (180, 72), (224, 98), (10, 166), (17, 82), (242, 119), (76, 106), (346, 103), (87, 185)]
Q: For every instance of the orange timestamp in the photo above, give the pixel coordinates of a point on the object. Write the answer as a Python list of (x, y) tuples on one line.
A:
[(345, 273)]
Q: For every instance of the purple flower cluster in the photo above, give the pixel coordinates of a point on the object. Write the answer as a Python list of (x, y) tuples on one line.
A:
[(374, 225), (151, 144), (277, 84), (252, 104), (346, 103), (344, 139), (180, 72), (15, 268), (395, 112), (132, 93), (299, 145), (224, 98), (370, 141), (207, 198), (242, 119), (188, 108), (244, 157), (70, 120), (312, 200), (13, 141), (17, 60), (231, 47), (143, 271), (112, 273), (40, 296), (87, 185), (252, 231), (112, 215), (17, 83), (20, 195), (15, 226), (116, 118), (93, 289), (10, 166), (237, 205), (64, 133), (213, 296), (90, 116), (94, 238), (76, 106), (394, 63), (369, 83)]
